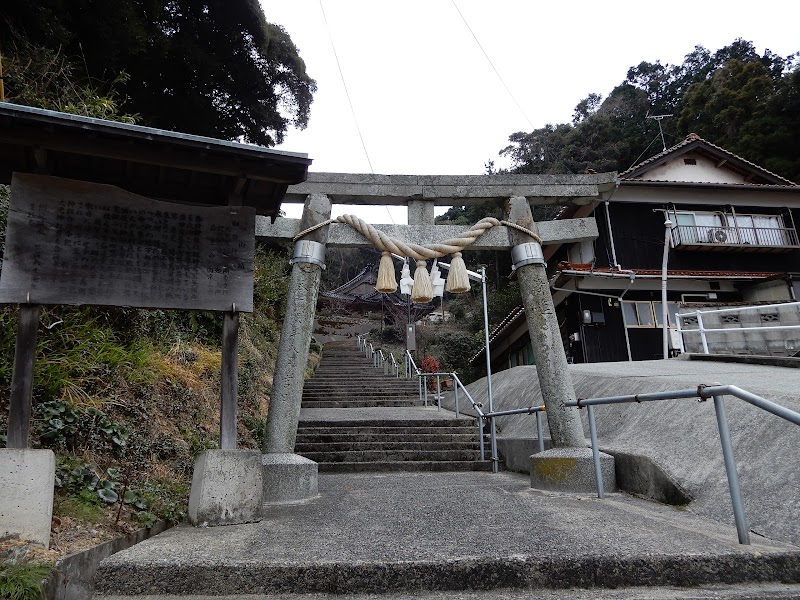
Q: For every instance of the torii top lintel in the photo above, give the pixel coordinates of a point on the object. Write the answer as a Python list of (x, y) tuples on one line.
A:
[(449, 190)]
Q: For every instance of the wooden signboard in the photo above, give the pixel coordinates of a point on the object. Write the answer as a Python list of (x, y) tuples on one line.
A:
[(72, 242)]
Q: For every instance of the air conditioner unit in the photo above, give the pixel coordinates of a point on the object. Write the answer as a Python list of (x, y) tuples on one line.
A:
[(718, 236)]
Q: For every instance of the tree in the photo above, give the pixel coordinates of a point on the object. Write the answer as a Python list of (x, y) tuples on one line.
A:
[(200, 66), (734, 97)]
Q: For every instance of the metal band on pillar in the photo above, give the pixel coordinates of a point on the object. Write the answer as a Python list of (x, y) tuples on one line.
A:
[(529, 253), (307, 251)]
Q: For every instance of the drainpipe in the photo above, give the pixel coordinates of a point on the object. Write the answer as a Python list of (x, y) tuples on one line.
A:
[(611, 239), (664, 310)]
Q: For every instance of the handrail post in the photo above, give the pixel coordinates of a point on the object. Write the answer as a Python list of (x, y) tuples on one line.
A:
[(480, 437), (425, 390), (455, 394), (385, 367), (598, 473), (702, 332), (730, 469), (493, 446), (539, 430), (438, 392)]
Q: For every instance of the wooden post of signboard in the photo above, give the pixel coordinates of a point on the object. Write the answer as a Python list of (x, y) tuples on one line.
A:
[(19, 413), (229, 384), (229, 377)]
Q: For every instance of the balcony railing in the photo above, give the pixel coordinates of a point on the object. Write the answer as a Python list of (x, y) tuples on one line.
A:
[(742, 238)]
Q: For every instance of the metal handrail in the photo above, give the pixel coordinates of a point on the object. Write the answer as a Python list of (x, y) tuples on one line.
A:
[(702, 330), (395, 366), (715, 391), (739, 308)]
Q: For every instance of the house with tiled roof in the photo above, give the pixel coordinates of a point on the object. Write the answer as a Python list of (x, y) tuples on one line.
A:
[(733, 240)]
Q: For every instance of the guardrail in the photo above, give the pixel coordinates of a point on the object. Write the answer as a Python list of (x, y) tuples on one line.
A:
[(702, 330), (412, 370), (703, 392)]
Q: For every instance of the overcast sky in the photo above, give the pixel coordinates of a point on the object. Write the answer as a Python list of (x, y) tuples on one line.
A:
[(428, 101)]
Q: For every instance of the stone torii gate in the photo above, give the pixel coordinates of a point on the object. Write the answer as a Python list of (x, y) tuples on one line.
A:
[(289, 477)]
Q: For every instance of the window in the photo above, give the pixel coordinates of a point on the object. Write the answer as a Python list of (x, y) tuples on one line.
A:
[(638, 314), (672, 310), (721, 228), (648, 314)]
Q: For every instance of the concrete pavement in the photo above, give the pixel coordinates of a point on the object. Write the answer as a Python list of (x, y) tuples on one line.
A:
[(433, 532)]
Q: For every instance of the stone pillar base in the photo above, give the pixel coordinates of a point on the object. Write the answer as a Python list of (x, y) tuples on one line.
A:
[(26, 504), (571, 470), (288, 478), (226, 488)]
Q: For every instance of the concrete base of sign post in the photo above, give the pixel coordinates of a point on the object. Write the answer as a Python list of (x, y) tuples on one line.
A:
[(288, 478), (571, 470), (226, 488), (26, 504)]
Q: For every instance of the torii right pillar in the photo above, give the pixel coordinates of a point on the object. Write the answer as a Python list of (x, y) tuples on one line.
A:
[(567, 465)]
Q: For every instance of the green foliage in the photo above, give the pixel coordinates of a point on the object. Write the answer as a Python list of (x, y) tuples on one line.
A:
[(258, 429), (23, 580), (83, 491), (81, 481), (76, 507), (197, 443), (61, 425), (217, 68), (161, 500), (46, 78), (270, 280), (456, 348), (79, 356), (733, 97)]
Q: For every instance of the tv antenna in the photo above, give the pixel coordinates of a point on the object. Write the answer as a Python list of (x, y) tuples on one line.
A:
[(659, 118)]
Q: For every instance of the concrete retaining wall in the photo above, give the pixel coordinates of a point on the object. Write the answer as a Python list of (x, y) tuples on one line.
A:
[(680, 436), (73, 576)]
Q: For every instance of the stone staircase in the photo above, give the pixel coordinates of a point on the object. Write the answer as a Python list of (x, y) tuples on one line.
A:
[(345, 378), (356, 419)]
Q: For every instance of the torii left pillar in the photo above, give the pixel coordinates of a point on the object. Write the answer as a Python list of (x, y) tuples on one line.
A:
[(289, 477)]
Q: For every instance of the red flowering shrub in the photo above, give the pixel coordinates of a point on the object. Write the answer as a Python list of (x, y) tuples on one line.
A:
[(430, 365)]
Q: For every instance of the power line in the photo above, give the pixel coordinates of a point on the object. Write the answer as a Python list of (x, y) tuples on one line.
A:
[(344, 83), (349, 100), (475, 37)]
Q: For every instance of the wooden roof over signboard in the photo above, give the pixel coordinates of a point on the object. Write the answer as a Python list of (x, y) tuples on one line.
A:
[(159, 164)]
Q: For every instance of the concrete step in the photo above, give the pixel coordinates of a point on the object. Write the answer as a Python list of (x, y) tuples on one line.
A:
[(353, 390), (366, 425), (301, 447), (357, 376), (366, 402), (418, 533), (327, 438), (325, 428), (384, 455), (345, 397), (754, 591), (406, 466)]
